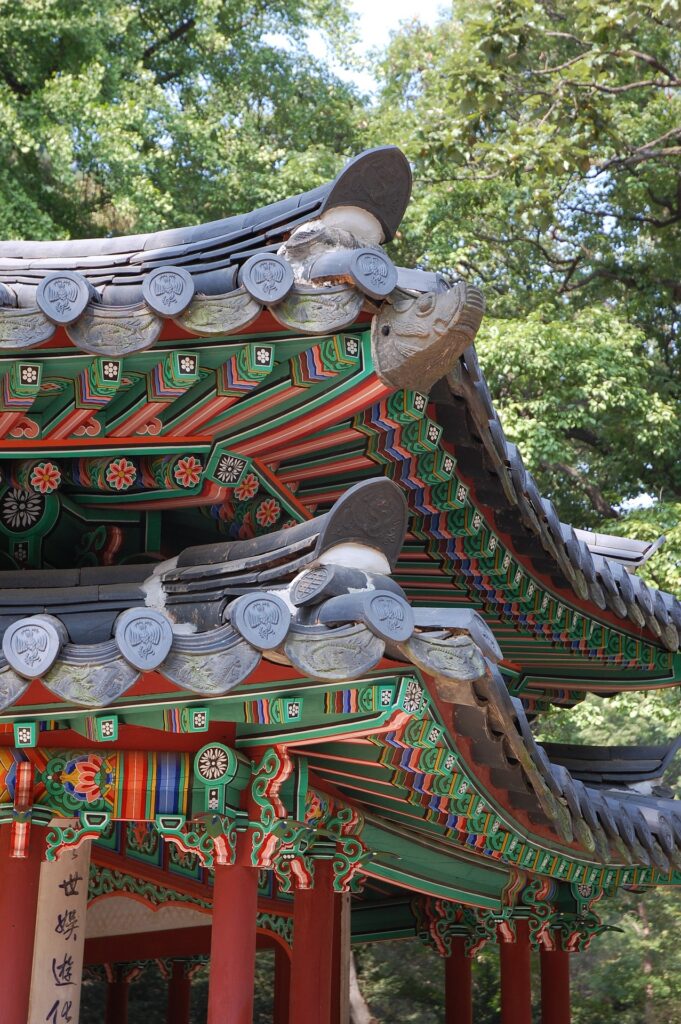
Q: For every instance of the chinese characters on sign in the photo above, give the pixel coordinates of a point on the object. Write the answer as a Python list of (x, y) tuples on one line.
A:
[(60, 938)]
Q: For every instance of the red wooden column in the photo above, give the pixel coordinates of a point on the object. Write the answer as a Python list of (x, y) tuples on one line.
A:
[(19, 882), (117, 991), (458, 985), (179, 994), (516, 988), (313, 942), (282, 985), (555, 986), (342, 951), (232, 944)]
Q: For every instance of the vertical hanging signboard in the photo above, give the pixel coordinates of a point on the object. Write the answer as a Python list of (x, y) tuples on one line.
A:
[(60, 938)]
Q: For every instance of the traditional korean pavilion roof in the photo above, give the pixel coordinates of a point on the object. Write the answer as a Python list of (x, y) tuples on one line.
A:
[(256, 489)]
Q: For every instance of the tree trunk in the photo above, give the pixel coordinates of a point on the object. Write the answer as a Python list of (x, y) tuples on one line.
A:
[(649, 1014), (359, 1010)]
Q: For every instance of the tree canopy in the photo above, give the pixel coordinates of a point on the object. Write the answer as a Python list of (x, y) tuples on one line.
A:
[(545, 138), (134, 116)]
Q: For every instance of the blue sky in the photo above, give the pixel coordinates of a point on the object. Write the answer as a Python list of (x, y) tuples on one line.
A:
[(377, 19)]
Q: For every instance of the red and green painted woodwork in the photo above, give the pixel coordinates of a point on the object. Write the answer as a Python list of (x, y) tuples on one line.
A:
[(382, 737), (269, 397), (407, 443), (558, 916), (21, 383), (222, 388), (105, 881), (74, 402), (169, 393)]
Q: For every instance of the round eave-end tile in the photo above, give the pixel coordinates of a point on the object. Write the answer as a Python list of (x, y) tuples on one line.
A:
[(310, 584), (31, 646), (374, 272), (168, 290), (262, 619), (267, 277), (62, 296), (389, 616), (144, 637)]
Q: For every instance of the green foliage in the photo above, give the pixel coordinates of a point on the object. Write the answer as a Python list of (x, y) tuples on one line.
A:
[(414, 994), (577, 397), (139, 115), (148, 996), (545, 139)]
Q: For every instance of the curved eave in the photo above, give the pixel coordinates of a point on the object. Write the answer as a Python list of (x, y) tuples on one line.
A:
[(508, 495), (378, 181)]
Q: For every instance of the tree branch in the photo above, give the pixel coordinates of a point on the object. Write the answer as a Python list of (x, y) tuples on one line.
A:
[(588, 437), (17, 87), (176, 33), (593, 493)]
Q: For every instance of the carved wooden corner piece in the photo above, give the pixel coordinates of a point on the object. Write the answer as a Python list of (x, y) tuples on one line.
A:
[(415, 340)]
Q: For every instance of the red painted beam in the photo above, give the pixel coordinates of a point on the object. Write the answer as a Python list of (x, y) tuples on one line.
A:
[(176, 942), (169, 943)]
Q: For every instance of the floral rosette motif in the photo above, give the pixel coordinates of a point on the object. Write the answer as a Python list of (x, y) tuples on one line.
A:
[(247, 488), (187, 471), (20, 509), (121, 474), (45, 478), (268, 512)]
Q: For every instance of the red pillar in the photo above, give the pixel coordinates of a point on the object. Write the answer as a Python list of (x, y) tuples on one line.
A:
[(340, 967), (458, 985), (117, 1001), (516, 989), (282, 984), (312, 962), (19, 883), (232, 944), (555, 986), (179, 995)]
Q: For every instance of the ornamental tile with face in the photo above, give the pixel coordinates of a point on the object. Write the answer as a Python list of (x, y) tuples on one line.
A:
[(144, 637)]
